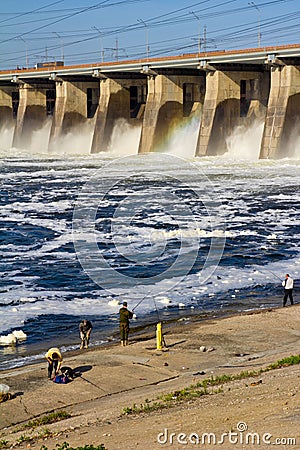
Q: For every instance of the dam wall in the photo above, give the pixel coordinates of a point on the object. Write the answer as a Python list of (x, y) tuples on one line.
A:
[(75, 103), (30, 112), (120, 98), (232, 98), (283, 112), (172, 99), (219, 91)]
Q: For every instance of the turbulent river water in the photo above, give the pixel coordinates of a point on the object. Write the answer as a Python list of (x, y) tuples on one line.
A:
[(174, 235)]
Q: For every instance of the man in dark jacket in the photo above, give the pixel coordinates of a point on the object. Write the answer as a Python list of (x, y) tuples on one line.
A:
[(85, 329), (125, 315)]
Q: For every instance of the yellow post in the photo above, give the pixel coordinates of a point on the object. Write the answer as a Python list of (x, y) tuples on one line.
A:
[(159, 339)]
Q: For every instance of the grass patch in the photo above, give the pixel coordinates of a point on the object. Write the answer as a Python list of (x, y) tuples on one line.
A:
[(4, 443), (204, 387), (44, 434), (148, 406), (66, 446), (23, 438), (45, 420), (289, 361)]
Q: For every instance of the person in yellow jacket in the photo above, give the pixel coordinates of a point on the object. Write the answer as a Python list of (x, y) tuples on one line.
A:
[(54, 359)]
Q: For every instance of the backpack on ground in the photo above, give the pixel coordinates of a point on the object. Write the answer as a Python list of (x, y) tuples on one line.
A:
[(61, 379)]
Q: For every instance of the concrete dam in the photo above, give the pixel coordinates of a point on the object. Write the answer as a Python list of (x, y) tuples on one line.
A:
[(221, 90)]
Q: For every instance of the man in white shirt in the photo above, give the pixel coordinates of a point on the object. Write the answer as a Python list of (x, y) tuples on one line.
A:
[(288, 284)]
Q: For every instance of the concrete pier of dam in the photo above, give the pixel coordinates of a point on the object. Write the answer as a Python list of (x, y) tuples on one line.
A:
[(220, 90)]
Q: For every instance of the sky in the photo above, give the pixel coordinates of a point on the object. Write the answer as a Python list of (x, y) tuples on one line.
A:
[(91, 31)]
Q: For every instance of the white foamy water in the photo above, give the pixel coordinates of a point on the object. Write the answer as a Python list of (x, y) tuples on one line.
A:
[(125, 139), (244, 143), (7, 133), (152, 211), (184, 140), (233, 184)]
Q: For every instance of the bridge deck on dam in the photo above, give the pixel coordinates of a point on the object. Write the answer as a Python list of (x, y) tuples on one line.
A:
[(256, 56)]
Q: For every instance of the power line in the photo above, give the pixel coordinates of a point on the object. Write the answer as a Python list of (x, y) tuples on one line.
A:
[(78, 8), (31, 12), (180, 19), (58, 12), (89, 8), (241, 33)]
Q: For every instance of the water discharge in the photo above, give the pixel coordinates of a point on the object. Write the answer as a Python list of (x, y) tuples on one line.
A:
[(184, 140), (125, 139), (7, 133), (244, 143), (77, 142)]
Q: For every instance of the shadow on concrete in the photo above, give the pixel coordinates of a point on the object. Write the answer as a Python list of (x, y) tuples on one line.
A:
[(78, 371), (17, 394), (176, 343)]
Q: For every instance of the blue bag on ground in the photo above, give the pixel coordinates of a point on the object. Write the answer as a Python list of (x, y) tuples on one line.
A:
[(62, 379)]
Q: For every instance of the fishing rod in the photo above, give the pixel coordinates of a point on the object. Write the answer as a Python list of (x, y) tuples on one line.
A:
[(158, 317), (156, 309), (139, 303), (272, 273), (93, 384)]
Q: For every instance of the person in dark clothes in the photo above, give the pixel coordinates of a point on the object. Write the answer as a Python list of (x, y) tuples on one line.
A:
[(85, 329), (125, 316)]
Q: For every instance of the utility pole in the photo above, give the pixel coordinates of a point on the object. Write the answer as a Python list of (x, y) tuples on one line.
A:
[(117, 49), (199, 38), (259, 20), (204, 38), (147, 37), (61, 45), (26, 47), (101, 48)]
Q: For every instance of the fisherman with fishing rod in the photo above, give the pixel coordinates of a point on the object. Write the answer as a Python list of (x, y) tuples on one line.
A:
[(288, 284), (125, 316)]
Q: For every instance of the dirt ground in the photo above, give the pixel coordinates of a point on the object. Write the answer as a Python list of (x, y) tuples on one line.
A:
[(253, 413)]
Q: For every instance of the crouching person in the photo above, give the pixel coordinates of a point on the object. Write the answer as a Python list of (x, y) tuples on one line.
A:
[(85, 329), (54, 359)]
